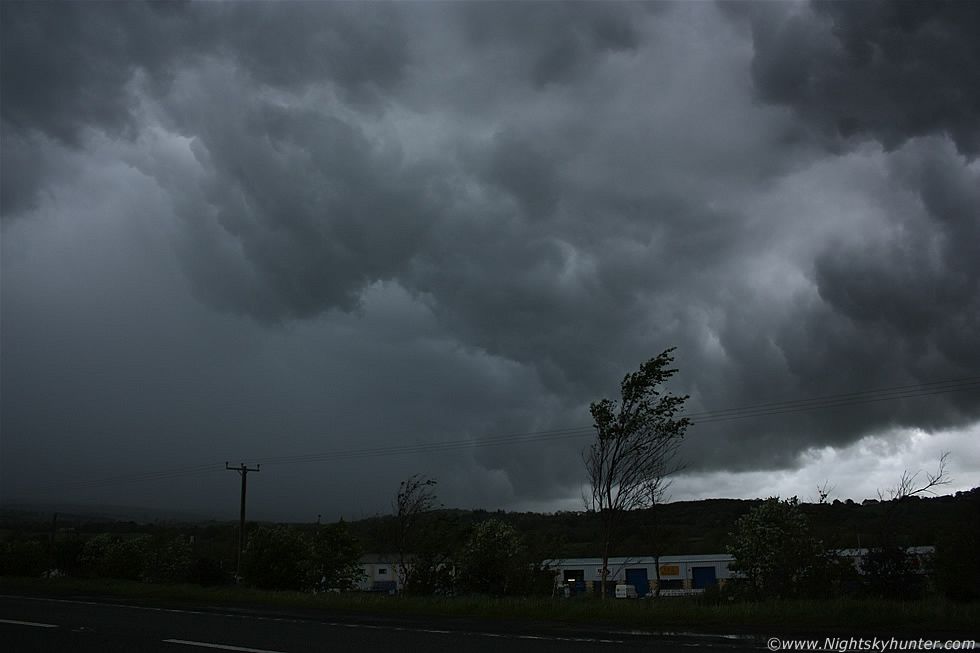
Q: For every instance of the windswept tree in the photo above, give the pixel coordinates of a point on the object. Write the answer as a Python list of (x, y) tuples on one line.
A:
[(415, 500), (636, 447)]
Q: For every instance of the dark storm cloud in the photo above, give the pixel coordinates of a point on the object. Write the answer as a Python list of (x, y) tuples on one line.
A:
[(889, 70), (65, 66), (529, 175), (294, 202), (903, 303), (358, 48), (919, 285), (69, 66), (21, 163), (897, 304), (558, 42), (426, 222)]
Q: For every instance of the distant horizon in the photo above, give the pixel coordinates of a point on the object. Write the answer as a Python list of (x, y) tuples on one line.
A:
[(125, 513)]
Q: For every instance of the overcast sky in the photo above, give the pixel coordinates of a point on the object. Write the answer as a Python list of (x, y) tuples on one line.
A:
[(275, 233)]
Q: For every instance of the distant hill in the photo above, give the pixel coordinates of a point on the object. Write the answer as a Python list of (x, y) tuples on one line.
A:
[(99, 513), (683, 527), (691, 527)]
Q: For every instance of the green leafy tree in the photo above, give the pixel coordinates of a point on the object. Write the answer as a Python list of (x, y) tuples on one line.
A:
[(434, 544), (491, 559), (636, 447), (775, 553), (276, 559), (335, 557)]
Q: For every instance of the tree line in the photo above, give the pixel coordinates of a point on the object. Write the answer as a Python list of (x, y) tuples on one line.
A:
[(628, 466)]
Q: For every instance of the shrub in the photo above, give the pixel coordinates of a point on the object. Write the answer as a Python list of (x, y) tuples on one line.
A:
[(335, 557), (165, 560), (206, 571), (777, 556), (111, 556), (275, 559), (25, 558)]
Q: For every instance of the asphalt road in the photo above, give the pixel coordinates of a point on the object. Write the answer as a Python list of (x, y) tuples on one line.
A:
[(88, 624)]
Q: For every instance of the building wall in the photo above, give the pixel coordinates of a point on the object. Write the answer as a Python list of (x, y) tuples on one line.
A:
[(377, 571), (677, 572), (678, 569)]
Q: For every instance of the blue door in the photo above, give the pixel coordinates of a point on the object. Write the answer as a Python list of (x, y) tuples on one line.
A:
[(701, 577), (638, 579)]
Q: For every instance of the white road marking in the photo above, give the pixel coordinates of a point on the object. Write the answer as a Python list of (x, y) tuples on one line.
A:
[(27, 623), (333, 624), (223, 647)]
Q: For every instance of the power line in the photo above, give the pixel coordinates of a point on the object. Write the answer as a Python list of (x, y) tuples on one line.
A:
[(729, 414), (845, 399), (829, 401)]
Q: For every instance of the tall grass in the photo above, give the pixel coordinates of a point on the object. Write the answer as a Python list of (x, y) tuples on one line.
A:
[(665, 614)]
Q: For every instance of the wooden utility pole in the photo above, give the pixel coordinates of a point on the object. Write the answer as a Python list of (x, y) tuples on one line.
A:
[(52, 552), (243, 471)]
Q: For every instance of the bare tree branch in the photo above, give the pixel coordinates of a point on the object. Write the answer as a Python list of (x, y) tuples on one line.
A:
[(824, 492), (906, 485)]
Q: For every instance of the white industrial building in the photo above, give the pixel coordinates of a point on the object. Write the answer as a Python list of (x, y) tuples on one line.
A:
[(678, 574), (379, 574)]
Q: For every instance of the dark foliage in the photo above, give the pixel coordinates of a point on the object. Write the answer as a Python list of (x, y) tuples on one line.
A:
[(274, 559), (956, 566), (23, 558), (949, 522)]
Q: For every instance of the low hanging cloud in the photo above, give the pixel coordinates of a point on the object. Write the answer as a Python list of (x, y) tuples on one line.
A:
[(530, 200)]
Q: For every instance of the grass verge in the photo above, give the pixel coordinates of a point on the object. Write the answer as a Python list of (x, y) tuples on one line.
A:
[(930, 615)]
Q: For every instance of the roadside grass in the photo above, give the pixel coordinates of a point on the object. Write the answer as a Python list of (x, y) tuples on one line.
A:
[(932, 614)]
